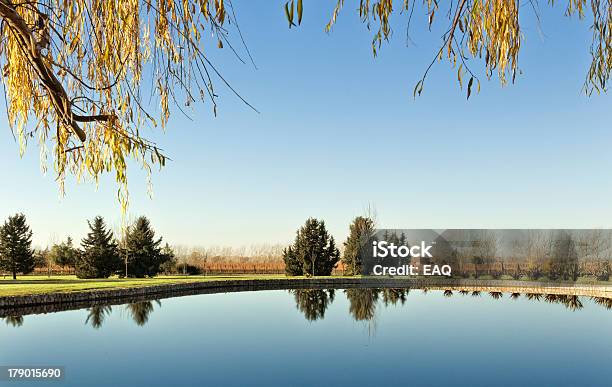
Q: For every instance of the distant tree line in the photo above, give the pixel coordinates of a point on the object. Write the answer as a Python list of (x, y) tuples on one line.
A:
[(138, 254), (558, 255)]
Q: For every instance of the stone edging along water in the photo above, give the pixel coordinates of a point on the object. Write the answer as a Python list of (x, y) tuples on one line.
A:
[(43, 303)]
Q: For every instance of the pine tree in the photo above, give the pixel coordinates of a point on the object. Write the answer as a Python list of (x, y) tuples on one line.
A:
[(292, 265), (314, 251), (64, 254), (169, 266), (361, 230), (142, 249), (100, 257), (16, 254)]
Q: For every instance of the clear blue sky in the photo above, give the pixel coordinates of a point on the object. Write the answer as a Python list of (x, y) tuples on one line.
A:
[(339, 130)]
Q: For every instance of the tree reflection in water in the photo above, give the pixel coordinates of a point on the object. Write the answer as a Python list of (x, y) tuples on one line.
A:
[(140, 311), (313, 302), (533, 296), (605, 302), (15, 321), (570, 302), (97, 314), (393, 296), (362, 303)]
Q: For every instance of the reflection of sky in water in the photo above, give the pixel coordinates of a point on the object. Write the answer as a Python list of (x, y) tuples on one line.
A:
[(260, 338)]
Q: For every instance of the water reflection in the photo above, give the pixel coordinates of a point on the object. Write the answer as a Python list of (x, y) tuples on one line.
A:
[(138, 311), (364, 302), (534, 296), (605, 302), (393, 296), (97, 314), (15, 321), (570, 302), (313, 302)]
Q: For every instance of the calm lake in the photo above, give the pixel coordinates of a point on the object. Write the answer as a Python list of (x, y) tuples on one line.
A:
[(354, 337)]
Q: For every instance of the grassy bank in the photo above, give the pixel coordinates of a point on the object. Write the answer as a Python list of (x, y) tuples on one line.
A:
[(27, 285), (30, 285)]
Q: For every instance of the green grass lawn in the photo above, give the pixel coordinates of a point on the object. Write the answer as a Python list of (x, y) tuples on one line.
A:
[(25, 285)]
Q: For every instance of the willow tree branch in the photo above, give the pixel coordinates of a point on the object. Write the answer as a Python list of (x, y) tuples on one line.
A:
[(454, 26), (92, 118), (31, 50)]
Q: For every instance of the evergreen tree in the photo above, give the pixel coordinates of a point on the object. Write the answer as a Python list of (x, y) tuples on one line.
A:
[(41, 258), (314, 250), (16, 254), (64, 254), (361, 231), (142, 249), (292, 265), (100, 257), (169, 266)]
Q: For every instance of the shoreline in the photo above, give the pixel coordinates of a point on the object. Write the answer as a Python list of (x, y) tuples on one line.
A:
[(54, 302)]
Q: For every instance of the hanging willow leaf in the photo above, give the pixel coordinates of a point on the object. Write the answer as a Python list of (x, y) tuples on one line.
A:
[(300, 10), (431, 17), (469, 88), (459, 75), (418, 88), (289, 13)]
